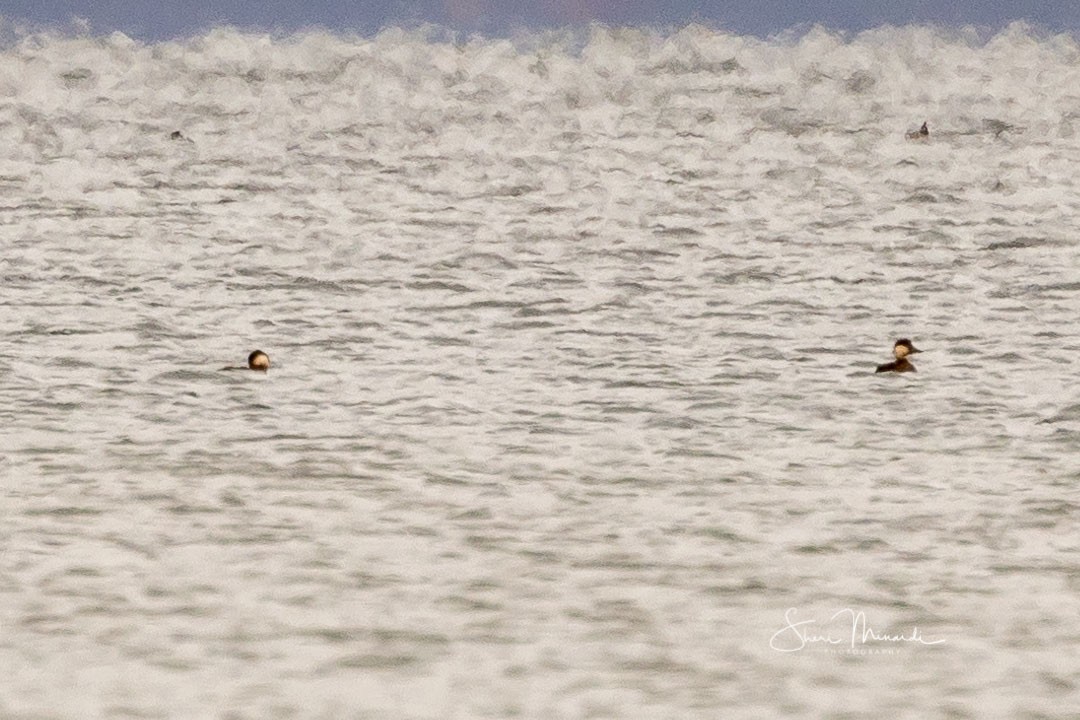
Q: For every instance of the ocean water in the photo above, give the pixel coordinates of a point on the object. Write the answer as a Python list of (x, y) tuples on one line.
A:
[(572, 411)]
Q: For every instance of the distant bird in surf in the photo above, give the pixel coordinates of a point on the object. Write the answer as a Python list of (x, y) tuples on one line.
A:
[(921, 134), (257, 360), (900, 351)]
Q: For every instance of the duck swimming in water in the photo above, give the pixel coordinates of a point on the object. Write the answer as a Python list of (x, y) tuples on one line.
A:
[(921, 134), (900, 351), (257, 360)]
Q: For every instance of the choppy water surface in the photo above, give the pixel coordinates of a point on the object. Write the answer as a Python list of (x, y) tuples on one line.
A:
[(572, 393)]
